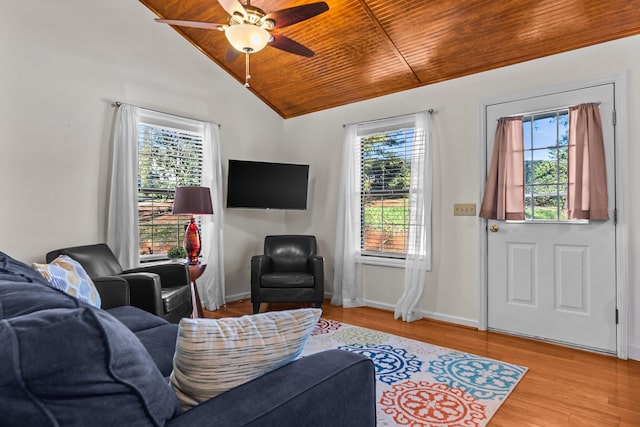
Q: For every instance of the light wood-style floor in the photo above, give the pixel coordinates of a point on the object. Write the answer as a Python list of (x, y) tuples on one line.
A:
[(563, 387)]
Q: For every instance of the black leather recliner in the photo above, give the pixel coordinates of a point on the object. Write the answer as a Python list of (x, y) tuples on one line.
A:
[(289, 271), (161, 289)]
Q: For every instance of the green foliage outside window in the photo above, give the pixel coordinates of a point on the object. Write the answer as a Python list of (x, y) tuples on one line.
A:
[(546, 165)]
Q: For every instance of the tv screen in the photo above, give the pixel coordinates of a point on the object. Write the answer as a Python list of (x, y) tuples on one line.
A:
[(265, 185)]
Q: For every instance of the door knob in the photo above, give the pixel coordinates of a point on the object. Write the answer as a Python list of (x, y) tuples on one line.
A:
[(494, 228)]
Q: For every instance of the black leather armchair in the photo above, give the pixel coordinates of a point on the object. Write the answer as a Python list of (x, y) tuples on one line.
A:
[(161, 289), (289, 271)]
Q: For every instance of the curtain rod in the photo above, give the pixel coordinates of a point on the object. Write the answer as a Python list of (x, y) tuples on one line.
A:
[(551, 110), (430, 111), (118, 104)]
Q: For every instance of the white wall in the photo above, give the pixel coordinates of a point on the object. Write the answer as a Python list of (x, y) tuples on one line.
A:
[(451, 291), (62, 63)]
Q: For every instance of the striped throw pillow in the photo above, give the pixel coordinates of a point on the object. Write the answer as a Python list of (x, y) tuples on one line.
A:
[(216, 355)]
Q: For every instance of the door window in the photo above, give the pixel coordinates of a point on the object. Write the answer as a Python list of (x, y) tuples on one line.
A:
[(546, 137)]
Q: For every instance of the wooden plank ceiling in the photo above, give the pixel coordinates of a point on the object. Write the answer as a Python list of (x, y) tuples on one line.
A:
[(368, 48)]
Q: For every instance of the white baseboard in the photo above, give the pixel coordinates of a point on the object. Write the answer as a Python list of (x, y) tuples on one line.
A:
[(380, 305), (428, 314), (634, 351), (389, 307), (238, 297), (463, 321)]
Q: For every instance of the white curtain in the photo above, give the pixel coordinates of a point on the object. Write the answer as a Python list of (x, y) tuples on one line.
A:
[(418, 260), (122, 223), (347, 278), (211, 283)]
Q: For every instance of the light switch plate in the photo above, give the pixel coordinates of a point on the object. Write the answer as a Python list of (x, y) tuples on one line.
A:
[(464, 209)]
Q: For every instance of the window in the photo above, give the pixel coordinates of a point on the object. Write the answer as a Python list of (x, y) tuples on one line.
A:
[(546, 137), (169, 155), (386, 150)]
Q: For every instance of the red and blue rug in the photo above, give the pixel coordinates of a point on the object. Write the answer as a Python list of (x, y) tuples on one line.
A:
[(419, 384)]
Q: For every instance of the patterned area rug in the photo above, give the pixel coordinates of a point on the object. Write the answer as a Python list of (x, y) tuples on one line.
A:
[(420, 384)]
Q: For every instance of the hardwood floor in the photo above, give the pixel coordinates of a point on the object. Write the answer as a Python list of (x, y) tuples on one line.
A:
[(563, 387)]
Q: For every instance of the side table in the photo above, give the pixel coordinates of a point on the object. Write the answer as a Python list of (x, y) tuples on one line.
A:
[(195, 271)]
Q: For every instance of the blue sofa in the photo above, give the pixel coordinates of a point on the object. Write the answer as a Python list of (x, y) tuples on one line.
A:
[(63, 362)]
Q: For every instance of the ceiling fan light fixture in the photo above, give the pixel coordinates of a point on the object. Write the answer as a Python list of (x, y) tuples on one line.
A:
[(247, 37), (249, 26)]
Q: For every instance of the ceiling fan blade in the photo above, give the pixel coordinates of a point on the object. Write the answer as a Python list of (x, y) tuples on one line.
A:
[(290, 16), (232, 7), (285, 43), (192, 24), (232, 54)]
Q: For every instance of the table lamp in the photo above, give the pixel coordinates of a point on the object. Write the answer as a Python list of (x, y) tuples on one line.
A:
[(193, 201)]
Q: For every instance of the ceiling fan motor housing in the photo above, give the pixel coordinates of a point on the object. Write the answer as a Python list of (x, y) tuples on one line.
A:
[(253, 16)]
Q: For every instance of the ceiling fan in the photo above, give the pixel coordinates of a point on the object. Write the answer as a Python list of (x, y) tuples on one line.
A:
[(249, 28)]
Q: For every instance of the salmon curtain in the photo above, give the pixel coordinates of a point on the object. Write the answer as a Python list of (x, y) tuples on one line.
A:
[(587, 196), (504, 191)]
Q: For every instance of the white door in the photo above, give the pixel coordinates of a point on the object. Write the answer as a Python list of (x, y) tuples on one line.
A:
[(550, 278)]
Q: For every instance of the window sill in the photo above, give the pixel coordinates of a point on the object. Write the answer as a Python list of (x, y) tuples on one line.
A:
[(381, 261), (150, 259)]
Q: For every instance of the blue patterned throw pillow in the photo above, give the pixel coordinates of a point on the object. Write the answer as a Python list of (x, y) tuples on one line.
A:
[(66, 274)]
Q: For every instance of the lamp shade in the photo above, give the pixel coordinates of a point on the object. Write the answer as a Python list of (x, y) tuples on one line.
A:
[(247, 37), (192, 200)]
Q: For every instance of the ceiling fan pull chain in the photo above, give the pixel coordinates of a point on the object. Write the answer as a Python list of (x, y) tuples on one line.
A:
[(247, 75)]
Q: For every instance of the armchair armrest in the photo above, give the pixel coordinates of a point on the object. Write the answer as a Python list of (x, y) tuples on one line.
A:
[(145, 291), (113, 290), (171, 274), (316, 267), (312, 391), (260, 264)]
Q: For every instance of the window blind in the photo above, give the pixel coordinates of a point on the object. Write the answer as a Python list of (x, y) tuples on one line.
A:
[(168, 157), (387, 148)]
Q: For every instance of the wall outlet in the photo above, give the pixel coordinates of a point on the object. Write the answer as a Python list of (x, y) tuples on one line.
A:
[(464, 209)]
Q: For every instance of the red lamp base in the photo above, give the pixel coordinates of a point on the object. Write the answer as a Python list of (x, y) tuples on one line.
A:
[(192, 242)]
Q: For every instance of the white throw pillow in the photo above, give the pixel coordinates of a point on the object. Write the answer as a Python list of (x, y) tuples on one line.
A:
[(216, 355)]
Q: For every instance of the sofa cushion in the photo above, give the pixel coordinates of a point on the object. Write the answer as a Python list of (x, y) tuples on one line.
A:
[(66, 274), (156, 334), (216, 355), (287, 280), (136, 319), (16, 271), (23, 290), (78, 366), (17, 299), (160, 343)]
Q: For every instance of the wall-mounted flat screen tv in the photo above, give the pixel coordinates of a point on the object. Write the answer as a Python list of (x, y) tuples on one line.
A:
[(263, 185)]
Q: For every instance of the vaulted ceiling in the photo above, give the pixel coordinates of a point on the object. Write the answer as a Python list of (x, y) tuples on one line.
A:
[(368, 48)]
